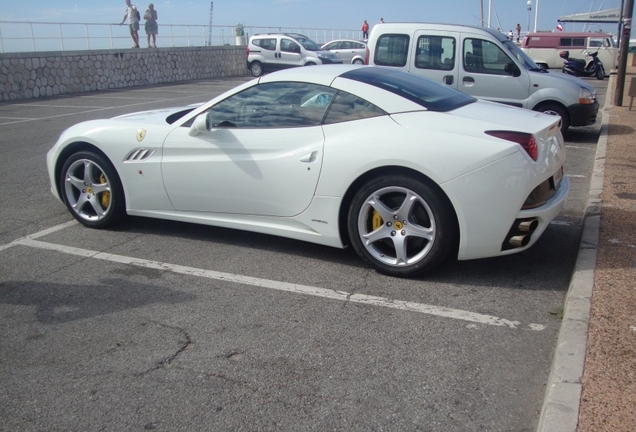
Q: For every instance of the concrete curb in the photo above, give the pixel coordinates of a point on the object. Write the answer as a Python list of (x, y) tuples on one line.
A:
[(560, 411)]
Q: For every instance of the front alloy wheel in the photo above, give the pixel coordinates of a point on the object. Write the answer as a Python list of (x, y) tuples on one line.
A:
[(91, 190), (402, 226)]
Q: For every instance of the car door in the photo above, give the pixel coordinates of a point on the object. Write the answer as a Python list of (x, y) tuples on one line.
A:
[(268, 51), (290, 53), (333, 47), (262, 155), (434, 55), (488, 72), (346, 51)]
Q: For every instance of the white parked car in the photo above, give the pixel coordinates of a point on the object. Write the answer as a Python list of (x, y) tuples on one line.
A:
[(349, 51), (407, 171)]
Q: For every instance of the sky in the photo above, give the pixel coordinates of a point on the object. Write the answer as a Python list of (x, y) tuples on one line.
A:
[(322, 14)]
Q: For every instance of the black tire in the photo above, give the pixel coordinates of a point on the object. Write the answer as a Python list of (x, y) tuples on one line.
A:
[(310, 64), (380, 224), (555, 109), (600, 74), (256, 68), (92, 190)]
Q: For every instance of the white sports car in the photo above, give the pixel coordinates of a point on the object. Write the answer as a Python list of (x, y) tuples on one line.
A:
[(405, 170)]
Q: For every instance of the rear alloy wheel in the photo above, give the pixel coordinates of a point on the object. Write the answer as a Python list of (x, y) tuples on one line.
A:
[(358, 62), (256, 68), (402, 226), (554, 109), (91, 190)]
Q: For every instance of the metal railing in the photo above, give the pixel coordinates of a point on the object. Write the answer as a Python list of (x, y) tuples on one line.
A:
[(21, 36)]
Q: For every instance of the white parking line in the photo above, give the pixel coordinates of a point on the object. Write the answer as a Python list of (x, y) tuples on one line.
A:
[(459, 314), (579, 147), (86, 111)]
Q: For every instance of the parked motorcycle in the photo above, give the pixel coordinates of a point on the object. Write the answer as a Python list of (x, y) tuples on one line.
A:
[(579, 68)]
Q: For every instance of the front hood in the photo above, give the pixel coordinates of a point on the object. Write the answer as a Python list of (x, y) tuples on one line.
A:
[(158, 116), (537, 76), (327, 54)]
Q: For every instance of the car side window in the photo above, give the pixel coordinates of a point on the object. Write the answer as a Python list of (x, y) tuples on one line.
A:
[(573, 42), (331, 46), (288, 45), (435, 52), (391, 50), (347, 107), (273, 105), (482, 56), (268, 44)]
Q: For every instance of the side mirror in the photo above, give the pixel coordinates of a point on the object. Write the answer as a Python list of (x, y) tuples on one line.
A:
[(200, 124), (512, 69)]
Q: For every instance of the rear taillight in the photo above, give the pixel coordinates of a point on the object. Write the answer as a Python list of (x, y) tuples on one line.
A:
[(247, 51), (366, 55), (525, 140)]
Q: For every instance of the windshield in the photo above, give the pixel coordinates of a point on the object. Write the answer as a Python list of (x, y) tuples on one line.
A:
[(308, 43), (523, 58)]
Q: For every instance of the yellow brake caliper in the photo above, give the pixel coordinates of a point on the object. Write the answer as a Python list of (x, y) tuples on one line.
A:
[(104, 200), (376, 222)]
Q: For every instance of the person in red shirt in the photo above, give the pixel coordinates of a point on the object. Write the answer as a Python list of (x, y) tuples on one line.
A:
[(365, 30)]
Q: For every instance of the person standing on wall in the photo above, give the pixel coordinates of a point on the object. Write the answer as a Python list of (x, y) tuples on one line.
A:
[(518, 32), (133, 22), (365, 30), (151, 25)]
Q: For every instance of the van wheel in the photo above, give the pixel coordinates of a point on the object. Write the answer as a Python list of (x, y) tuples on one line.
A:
[(358, 62), (554, 109), (310, 64), (256, 68)]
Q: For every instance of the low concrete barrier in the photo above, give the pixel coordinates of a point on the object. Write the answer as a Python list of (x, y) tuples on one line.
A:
[(33, 75)]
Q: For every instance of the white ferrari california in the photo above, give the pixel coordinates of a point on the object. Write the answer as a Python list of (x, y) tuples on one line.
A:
[(405, 170)]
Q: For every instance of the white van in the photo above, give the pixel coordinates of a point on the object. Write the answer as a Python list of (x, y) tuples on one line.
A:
[(544, 48), (275, 51), (482, 63)]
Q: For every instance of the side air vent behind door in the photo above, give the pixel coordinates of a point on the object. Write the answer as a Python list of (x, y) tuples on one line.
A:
[(139, 155)]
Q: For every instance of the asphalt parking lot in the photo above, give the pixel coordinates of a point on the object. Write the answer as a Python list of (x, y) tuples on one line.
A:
[(160, 325)]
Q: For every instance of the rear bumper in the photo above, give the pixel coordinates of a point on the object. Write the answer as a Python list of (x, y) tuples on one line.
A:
[(583, 115)]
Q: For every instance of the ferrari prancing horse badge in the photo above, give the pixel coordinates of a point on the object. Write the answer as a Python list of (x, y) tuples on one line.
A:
[(141, 134)]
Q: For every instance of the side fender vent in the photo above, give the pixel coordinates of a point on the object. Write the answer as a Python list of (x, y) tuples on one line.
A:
[(139, 155)]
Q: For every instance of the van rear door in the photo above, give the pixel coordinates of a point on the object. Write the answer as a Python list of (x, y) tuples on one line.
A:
[(488, 72), (434, 55)]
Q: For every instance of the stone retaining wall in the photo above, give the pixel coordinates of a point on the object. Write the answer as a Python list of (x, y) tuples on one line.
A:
[(32, 75)]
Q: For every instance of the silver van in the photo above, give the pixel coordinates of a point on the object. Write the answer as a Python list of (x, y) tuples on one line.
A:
[(275, 51), (482, 63)]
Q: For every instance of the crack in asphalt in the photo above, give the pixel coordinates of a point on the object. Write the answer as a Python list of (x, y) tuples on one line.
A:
[(167, 361)]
